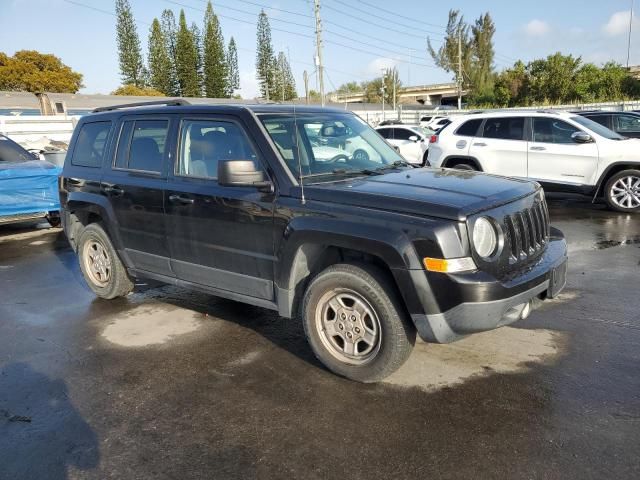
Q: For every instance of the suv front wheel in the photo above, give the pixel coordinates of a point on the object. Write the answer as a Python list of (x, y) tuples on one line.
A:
[(102, 269), (623, 191), (355, 324)]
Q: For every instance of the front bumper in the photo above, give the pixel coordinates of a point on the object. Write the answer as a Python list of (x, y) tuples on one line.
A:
[(491, 304)]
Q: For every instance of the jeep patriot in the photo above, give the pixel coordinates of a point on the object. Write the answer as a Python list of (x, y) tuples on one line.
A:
[(251, 203)]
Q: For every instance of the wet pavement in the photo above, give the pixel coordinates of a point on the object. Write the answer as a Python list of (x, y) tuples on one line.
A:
[(178, 385)]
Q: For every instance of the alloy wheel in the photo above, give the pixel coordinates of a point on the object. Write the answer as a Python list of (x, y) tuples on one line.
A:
[(625, 192)]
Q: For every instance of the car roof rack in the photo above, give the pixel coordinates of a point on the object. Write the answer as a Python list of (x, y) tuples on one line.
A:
[(174, 102)]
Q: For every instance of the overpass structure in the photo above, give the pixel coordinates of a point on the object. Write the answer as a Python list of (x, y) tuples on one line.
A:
[(432, 95)]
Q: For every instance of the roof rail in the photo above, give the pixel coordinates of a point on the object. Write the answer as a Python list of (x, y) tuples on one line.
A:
[(174, 102)]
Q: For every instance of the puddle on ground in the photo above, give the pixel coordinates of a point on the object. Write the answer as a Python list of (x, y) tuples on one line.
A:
[(505, 350), (617, 243), (151, 325)]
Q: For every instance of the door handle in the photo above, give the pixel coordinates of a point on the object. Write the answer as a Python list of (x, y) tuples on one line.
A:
[(539, 149), (480, 144), (113, 190), (175, 198)]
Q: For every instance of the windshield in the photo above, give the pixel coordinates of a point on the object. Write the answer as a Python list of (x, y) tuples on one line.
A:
[(10, 151), (427, 132), (597, 128), (323, 146)]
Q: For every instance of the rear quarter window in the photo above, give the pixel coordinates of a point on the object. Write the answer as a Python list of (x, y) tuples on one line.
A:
[(469, 128), (91, 144)]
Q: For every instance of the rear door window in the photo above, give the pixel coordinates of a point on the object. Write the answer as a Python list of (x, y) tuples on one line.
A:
[(505, 128), (628, 124), (603, 120), (141, 145), (469, 128), (91, 144)]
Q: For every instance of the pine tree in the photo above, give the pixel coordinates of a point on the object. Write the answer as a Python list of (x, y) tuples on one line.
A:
[(132, 68), (197, 44), (233, 74), (215, 62), (265, 59), (290, 82), (159, 61), (186, 60), (169, 32)]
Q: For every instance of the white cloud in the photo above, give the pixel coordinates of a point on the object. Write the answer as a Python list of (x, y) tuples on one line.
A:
[(618, 23), (375, 67), (249, 87), (537, 28)]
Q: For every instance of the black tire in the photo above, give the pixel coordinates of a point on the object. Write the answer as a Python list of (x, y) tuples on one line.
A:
[(395, 333), (117, 282), (54, 219), (465, 166), (360, 155), (425, 160), (611, 189)]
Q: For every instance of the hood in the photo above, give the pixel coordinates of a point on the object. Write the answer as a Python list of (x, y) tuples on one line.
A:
[(444, 193), (31, 168)]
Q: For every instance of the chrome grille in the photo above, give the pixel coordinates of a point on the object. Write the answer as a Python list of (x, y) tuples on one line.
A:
[(527, 232)]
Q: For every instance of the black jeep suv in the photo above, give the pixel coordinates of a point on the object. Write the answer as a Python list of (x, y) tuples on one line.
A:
[(250, 203)]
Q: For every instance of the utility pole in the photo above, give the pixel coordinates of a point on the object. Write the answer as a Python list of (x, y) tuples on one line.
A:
[(382, 91), (395, 73), (319, 65), (305, 77), (459, 70), (629, 41)]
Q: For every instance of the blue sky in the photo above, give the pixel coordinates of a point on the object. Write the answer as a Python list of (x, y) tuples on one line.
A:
[(85, 38)]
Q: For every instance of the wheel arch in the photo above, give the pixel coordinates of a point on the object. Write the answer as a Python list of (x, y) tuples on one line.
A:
[(610, 171), (452, 159), (308, 252)]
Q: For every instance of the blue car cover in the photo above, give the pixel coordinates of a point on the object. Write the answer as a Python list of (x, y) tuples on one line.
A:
[(28, 187)]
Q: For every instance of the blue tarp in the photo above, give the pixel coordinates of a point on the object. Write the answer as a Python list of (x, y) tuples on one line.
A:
[(28, 187)]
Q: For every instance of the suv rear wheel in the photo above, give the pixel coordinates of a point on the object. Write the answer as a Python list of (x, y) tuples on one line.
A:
[(463, 166), (623, 191), (100, 265), (355, 324)]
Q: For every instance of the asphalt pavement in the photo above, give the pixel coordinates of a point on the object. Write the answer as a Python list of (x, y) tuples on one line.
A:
[(171, 384)]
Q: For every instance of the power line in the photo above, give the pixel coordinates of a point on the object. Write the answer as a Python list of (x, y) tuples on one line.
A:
[(239, 19), (372, 23), (375, 54), (402, 16), (386, 19), (218, 5), (95, 9), (267, 7)]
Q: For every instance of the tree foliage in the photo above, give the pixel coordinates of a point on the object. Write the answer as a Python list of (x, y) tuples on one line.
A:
[(563, 79), (186, 59), (32, 71), (132, 69), (133, 91), (215, 58), (265, 58), (373, 89), (233, 72), (476, 48), (159, 61), (170, 33), (284, 83)]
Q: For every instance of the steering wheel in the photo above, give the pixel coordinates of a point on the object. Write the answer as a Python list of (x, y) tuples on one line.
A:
[(338, 158)]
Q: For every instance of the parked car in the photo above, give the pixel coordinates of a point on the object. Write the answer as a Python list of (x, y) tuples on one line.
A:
[(28, 186), (562, 151), (412, 141), (626, 124), (230, 200), (390, 122), (439, 124), (425, 121)]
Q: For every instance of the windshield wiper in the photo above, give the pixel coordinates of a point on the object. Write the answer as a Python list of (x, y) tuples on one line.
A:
[(396, 164)]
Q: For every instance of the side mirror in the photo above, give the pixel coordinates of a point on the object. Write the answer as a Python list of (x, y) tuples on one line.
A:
[(414, 138), (242, 173), (581, 137)]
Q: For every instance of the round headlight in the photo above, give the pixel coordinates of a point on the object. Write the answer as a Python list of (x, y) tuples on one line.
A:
[(485, 237)]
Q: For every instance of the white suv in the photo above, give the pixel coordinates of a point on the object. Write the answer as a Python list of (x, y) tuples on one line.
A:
[(562, 151), (412, 141)]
